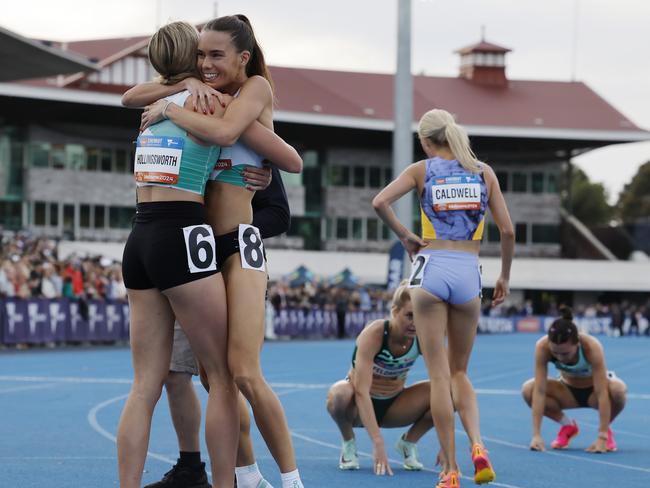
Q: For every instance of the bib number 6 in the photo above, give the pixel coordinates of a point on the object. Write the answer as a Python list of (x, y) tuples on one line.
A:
[(200, 247), (251, 249), (419, 263)]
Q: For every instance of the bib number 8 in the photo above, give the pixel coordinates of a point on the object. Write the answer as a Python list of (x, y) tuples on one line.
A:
[(251, 249), (419, 263), (200, 247)]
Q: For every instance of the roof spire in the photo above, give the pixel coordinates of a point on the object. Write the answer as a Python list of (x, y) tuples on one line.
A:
[(483, 33)]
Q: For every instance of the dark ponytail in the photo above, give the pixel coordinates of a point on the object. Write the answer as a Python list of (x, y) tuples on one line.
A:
[(243, 38), (563, 329)]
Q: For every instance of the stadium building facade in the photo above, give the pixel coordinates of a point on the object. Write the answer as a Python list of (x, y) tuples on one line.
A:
[(66, 146)]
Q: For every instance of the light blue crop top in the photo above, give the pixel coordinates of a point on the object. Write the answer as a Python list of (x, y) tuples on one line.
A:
[(581, 368), (453, 202), (166, 156)]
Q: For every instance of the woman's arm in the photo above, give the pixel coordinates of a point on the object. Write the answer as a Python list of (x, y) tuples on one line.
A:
[(596, 356), (501, 217), (254, 97), (404, 183), (203, 96), (368, 343), (539, 394), (268, 144)]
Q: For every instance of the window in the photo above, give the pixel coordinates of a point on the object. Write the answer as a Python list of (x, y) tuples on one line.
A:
[(502, 176), (372, 229), (538, 182), (54, 214), (519, 182), (388, 176), (120, 217), (385, 232), (76, 156), (39, 155), (11, 215), (106, 162), (551, 183), (374, 177), (310, 159), (92, 163), (493, 233), (39, 213), (99, 216), (121, 161), (520, 233), (68, 217), (341, 228), (546, 234), (359, 176), (292, 179), (57, 156), (84, 216), (339, 176), (357, 229)]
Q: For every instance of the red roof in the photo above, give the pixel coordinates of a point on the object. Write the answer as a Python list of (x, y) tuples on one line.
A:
[(520, 104), (483, 47), (551, 104)]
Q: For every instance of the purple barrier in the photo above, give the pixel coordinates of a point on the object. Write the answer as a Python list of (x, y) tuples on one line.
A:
[(38, 321), (14, 321)]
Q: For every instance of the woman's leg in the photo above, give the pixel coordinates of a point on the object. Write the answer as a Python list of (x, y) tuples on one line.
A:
[(200, 307), (151, 333), (463, 324), (342, 408), (412, 407), (431, 317), (246, 291), (558, 398)]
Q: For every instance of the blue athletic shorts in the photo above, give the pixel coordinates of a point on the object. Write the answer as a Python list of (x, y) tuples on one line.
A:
[(452, 276)]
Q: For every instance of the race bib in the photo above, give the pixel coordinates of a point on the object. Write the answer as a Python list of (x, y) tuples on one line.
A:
[(158, 159), (419, 263), (225, 159), (251, 249), (462, 192), (200, 247)]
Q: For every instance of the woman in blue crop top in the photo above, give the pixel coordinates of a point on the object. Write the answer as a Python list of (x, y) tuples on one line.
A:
[(230, 60), (584, 382), (455, 190), (374, 394)]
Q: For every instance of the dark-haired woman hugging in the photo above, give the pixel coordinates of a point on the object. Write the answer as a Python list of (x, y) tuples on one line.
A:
[(583, 382)]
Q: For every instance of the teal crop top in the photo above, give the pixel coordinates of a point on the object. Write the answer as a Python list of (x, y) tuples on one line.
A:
[(166, 156), (387, 365), (232, 163), (581, 368)]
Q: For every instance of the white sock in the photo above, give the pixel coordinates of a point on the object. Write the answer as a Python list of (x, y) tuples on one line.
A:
[(291, 480), (248, 476), (565, 420)]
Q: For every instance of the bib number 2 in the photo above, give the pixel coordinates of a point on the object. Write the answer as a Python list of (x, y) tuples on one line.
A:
[(200, 246), (251, 249), (419, 263)]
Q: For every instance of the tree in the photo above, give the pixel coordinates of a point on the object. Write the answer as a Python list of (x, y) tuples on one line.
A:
[(634, 200), (589, 200)]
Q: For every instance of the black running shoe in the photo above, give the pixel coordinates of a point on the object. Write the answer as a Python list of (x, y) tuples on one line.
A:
[(183, 477)]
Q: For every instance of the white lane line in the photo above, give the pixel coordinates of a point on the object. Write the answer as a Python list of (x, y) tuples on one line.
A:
[(24, 388), (302, 386), (393, 461), (571, 456), (617, 431), (92, 420), (498, 376)]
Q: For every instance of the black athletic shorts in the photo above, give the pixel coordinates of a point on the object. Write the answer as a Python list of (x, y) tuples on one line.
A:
[(170, 245), (381, 406), (581, 395), (228, 244)]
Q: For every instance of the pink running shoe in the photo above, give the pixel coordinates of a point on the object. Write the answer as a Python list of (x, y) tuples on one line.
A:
[(483, 471), (611, 443), (567, 432), (449, 480)]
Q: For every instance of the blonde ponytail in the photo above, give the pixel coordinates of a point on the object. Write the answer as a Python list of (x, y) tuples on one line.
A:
[(439, 127)]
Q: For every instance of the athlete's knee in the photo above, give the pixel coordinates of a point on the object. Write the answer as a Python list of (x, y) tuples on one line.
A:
[(249, 384), (337, 403), (177, 381), (618, 391), (527, 390), (147, 391)]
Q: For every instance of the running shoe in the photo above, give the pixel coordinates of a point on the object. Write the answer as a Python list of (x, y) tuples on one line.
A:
[(483, 472), (349, 458), (409, 451), (449, 480), (183, 477), (611, 443), (564, 436)]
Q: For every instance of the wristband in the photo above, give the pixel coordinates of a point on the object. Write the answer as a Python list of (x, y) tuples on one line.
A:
[(164, 110)]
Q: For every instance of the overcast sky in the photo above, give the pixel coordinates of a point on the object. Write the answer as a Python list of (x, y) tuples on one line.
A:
[(611, 40)]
